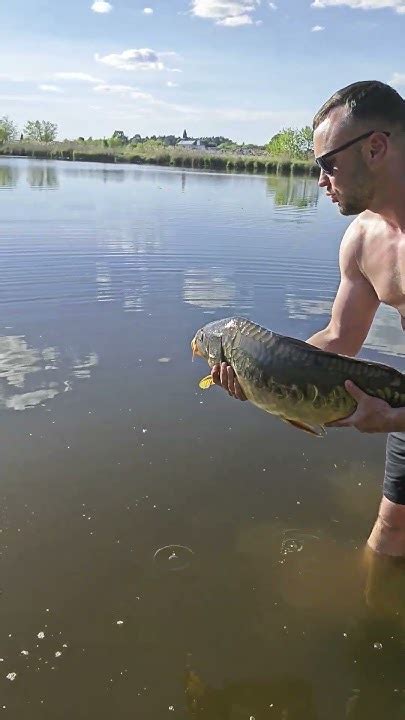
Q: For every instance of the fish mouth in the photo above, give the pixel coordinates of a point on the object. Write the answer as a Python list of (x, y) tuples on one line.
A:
[(194, 348)]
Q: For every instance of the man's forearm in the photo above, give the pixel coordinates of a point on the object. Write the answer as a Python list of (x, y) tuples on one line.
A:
[(329, 341), (397, 420)]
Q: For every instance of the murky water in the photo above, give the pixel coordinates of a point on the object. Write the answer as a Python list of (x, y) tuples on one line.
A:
[(169, 552)]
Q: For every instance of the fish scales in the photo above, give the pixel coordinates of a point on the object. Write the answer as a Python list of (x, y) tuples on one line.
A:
[(292, 379)]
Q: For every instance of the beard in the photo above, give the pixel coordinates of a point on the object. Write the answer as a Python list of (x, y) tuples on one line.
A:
[(358, 197), (351, 207)]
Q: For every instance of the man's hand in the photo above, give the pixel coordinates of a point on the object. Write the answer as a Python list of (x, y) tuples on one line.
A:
[(372, 415), (224, 376)]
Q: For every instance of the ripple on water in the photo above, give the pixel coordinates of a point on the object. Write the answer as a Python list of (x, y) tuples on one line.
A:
[(173, 557)]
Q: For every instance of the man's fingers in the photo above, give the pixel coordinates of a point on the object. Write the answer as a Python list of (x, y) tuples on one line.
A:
[(355, 391), (215, 374), (239, 392), (338, 423), (233, 385), (223, 374), (343, 422), (231, 380)]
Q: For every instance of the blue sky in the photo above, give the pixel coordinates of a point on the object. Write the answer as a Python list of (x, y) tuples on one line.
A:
[(239, 68)]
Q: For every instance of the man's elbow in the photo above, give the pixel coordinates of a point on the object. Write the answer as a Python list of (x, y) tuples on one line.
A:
[(336, 339)]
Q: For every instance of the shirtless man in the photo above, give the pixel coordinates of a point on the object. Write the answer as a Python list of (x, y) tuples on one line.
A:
[(359, 144)]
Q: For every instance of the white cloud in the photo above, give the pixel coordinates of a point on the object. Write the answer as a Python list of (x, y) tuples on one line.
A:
[(81, 77), (142, 96), (12, 78), (101, 6), (236, 20), (120, 89), (231, 13), (148, 11), (125, 90), (242, 115), (39, 99), (50, 88), (142, 59), (272, 6), (398, 79), (317, 28), (397, 5), (171, 84)]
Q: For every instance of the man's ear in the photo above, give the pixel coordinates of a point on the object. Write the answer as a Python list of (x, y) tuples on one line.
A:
[(378, 146)]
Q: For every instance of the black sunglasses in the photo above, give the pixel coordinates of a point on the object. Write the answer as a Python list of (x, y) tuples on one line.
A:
[(328, 167)]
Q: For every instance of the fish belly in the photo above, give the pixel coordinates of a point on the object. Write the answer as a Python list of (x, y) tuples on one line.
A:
[(305, 405)]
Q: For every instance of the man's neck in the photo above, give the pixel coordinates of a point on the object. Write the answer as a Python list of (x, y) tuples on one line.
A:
[(389, 201)]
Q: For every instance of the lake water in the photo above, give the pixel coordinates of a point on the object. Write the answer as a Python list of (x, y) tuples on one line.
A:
[(110, 452)]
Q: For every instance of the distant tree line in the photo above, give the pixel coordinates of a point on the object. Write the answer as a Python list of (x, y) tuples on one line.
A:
[(34, 130), (289, 143)]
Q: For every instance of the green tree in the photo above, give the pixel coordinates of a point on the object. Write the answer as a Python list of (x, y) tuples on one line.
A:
[(283, 144), (41, 131), (291, 143), (118, 138), (8, 129), (306, 140)]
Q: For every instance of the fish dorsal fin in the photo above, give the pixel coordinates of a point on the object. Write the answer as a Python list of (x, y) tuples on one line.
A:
[(206, 382), (317, 430)]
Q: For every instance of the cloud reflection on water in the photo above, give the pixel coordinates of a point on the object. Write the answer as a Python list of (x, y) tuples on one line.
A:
[(32, 371), (385, 335)]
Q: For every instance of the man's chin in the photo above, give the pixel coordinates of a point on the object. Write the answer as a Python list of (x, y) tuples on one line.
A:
[(348, 210)]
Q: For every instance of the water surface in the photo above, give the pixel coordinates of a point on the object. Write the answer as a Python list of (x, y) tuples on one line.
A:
[(111, 452)]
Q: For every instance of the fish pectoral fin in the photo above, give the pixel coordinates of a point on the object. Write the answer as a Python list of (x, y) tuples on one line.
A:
[(317, 430), (206, 382)]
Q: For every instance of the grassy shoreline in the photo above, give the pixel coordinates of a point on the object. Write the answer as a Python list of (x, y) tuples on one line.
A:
[(169, 156)]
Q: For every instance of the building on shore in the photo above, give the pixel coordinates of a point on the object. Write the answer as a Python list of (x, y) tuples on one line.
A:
[(191, 144)]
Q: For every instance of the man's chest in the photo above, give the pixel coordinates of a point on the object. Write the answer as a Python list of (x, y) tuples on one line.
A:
[(383, 263)]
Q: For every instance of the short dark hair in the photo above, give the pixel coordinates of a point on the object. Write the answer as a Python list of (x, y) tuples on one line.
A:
[(368, 100)]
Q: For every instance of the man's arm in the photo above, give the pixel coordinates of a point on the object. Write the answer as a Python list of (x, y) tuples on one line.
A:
[(353, 311), (355, 304)]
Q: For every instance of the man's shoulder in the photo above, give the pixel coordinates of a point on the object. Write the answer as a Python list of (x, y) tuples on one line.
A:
[(362, 228), (367, 223), (356, 232)]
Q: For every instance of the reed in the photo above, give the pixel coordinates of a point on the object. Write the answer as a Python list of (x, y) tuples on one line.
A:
[(220, 161)]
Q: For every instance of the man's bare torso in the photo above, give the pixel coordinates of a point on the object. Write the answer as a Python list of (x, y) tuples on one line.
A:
[(381, 259)]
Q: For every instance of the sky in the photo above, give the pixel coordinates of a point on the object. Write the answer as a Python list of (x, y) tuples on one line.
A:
[(243, 69)]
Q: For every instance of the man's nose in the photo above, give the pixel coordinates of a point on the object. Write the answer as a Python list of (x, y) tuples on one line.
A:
[(323, 180)]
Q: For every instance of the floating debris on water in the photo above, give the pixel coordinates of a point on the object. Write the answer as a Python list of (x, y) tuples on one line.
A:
[(11, 676), (294, 540), (173, 557), (41, 635), (164, 360), (290, 545)]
